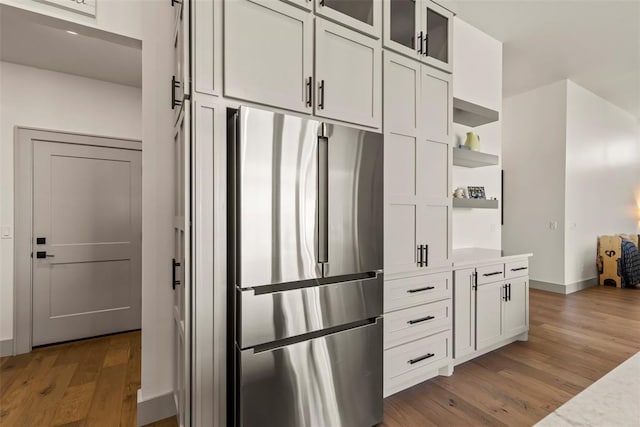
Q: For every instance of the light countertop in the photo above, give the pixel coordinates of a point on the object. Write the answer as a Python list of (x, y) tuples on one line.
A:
[(474, 256)]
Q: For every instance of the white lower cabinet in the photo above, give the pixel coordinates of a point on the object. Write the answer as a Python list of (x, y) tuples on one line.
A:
[(489, 314), (417, 330), (489, 310)]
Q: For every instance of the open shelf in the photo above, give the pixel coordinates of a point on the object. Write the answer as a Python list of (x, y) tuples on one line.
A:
[(473, 159), (470, 114), (475, 203)]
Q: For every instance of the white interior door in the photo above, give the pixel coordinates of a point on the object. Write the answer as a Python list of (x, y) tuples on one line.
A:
[(86, 241)]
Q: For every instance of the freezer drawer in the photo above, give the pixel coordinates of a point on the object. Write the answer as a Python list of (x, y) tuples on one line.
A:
[(271, 313), (334, 380)]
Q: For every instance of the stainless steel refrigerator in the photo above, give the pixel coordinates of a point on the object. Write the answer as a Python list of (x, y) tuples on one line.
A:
[(305, 272)]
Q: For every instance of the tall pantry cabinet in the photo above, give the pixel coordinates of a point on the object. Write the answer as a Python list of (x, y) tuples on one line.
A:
[(417, 123)]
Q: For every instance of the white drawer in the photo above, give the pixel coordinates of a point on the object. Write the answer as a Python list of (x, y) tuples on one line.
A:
[(516, 268), (413, 323), (412, 291), (490, 273), (417, 361)]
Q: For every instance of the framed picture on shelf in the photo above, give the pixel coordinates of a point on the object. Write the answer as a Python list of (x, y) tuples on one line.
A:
[(476, 193)]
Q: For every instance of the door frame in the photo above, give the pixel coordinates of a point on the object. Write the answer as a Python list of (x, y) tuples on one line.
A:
[(24, 138)]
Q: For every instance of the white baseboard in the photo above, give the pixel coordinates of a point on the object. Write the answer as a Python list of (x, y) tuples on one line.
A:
[(155, 409), (563, 289), (6, 347)]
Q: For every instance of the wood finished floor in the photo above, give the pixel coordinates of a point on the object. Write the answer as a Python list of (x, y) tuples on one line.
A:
[(574, 340)]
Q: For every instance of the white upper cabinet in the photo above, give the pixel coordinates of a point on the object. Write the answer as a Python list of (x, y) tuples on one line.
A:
[(437, 105), (268, 53), (348, 75), (361, 15), (420, 29)]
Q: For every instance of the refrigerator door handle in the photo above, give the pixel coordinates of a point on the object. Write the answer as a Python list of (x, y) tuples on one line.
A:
[(323, 199)]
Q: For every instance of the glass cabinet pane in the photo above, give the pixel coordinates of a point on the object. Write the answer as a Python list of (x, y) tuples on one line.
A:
[(403, 18), (362, 10), (438, 36)]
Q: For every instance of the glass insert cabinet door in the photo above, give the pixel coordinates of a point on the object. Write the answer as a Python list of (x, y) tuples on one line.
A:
[(421, 29), (364, 16), (437, 41)]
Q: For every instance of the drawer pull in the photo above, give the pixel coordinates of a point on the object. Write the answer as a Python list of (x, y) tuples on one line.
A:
[(519, 268), (492, 274), (428, 288), (422, 319), (421, 358)]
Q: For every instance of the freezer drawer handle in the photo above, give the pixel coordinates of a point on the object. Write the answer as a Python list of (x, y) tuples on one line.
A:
[(421, 358), (428, 288), (423, 319), (519, 268), (492, 274)]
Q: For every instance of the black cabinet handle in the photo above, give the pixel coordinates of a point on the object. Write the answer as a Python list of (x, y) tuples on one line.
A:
[(426, 45), (422, 319), (421, 358), (321, 90), (492, 274), (420, 43), (509, 292), (174, 101), (420, 259), (174, 281), (519, 268), (309, 91), (426, 255), (474, 284), (504, 293), (413, 291)]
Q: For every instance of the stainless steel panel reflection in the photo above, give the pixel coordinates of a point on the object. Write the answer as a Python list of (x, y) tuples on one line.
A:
[(277, 208), (355, 201), (332, 381), (273, 316)]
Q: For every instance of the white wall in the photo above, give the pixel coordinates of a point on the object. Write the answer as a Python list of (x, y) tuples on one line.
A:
[(32, 97), (157, 201), (533, 158), (122, 17), (477, 78), (602, 166)]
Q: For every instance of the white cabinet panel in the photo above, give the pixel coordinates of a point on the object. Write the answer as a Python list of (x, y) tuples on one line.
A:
[(433, 230), (268, 58), (433, 174), (401, 94), (516, 307), (400, 235), (488, 314), (348, 75), (400, 165), (361, 15), (464, 321), (437, 109)]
